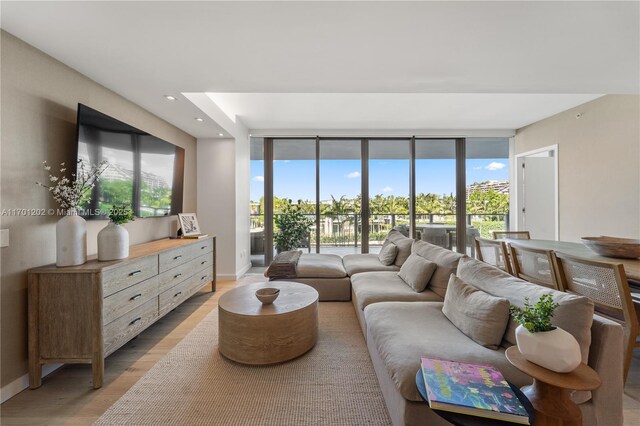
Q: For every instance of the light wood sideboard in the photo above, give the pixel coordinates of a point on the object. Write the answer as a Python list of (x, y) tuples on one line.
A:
[(82, 314)]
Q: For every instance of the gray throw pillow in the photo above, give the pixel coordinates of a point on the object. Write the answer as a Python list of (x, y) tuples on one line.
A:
[(388, 254), (479, 315), (416, 271)]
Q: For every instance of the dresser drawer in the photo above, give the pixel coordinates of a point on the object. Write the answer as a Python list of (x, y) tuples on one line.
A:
[(171, 259), (121, 330), (129, 274), (119, 303), (178, 274), (172, 297), (203, 277)]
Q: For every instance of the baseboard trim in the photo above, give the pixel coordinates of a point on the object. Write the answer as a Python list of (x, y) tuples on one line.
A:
[(243, 270), (22, 383), (233, 277)]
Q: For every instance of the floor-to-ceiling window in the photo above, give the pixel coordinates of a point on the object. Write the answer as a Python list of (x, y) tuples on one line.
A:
[(256, 196), (487, 184), (435, 199), (294, 181), (340, 187), (389, 183), (354, 190)]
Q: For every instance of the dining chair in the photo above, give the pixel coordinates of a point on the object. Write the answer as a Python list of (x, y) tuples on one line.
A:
[(513, 235), (606, 284), (493, 252), (436, 236), (537, 266)]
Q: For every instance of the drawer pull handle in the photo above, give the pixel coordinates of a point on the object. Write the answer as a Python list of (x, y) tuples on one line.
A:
[(203, 247), (203, 262), (135, 321), (177, 294), (203, 277), (177, 275), (177, 257), (135, 273), (136, 297)]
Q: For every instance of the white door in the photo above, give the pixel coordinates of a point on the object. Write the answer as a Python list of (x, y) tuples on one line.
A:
[(538, 195)]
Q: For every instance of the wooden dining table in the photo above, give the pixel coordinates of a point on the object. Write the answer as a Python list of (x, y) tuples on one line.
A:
[(631, 266)]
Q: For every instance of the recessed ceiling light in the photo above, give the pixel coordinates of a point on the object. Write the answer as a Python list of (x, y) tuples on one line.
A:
[(170, 98), (220, 134), (199, 119)]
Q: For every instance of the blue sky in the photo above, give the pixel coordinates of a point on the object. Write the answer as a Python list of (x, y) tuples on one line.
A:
[(295, 179)]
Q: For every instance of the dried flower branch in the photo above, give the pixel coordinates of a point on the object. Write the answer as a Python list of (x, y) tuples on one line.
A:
[(68, 192)]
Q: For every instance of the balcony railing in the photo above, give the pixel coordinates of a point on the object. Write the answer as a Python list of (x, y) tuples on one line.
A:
[(346, 229)]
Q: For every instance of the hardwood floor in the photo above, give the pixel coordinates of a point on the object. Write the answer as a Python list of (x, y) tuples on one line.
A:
[(67, 397)]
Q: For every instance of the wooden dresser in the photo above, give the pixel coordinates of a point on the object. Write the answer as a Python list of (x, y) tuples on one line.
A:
[(81, 314)]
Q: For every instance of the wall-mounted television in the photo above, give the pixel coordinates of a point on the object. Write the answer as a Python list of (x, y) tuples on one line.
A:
[(144, 172)]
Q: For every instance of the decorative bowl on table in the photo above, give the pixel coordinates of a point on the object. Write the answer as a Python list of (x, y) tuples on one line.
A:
[(267, 295), (624, 248)]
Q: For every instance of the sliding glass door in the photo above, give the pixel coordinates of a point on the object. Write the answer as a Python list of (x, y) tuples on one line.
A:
[(354, 190), (389, 182), (340, 195)]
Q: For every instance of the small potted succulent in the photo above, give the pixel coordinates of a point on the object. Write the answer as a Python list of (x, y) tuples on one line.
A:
[(540, 341), (113, 239)]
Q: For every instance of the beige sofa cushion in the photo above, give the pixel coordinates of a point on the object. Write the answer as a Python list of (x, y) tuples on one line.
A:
[(357, 263), (320, 266), (416, 271), (403, 332), (388, 253), (574, 313), (477, 314), (404, 246), (373, 287), (446, 260)]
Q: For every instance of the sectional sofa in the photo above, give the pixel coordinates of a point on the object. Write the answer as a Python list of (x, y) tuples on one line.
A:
[(401, 325)]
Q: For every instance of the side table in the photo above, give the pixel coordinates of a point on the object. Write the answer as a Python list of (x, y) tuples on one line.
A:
[(549, 393)]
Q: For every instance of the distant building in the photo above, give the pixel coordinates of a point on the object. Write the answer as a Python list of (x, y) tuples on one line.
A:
[(499, 186)]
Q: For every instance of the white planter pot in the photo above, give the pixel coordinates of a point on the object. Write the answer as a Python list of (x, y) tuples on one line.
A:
[(113, 242), (555, 350), (71, 240)]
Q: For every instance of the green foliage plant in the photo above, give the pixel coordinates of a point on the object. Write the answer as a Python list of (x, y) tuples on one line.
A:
[(535, 318), (292, 228), (121, 214)]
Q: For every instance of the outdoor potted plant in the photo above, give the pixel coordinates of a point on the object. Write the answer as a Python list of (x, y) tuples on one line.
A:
[(113, 239), (292, 228), (541, 342)]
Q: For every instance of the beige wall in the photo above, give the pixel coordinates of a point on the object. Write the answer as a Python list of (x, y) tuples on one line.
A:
[(39, 98), (599, 165)]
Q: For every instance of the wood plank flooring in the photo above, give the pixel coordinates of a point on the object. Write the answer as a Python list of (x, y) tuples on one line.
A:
[(67, 397)]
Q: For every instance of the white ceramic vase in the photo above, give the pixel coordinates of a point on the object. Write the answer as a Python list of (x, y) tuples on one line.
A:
[(555, 350), (113, 242), (71, 240)]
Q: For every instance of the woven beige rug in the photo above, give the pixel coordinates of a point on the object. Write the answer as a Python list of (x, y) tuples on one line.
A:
[(333, 384)]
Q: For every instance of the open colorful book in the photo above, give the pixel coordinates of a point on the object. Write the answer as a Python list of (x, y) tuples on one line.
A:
[(478, 390)]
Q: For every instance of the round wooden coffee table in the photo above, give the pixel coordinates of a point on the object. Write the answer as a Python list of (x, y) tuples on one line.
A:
[(253, 333), (549, 393)]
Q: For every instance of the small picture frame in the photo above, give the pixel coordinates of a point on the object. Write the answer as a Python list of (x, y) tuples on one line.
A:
[(189, 224)]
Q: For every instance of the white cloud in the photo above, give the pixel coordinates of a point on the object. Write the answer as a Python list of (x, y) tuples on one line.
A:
[(387, 189), (258, 179), (353, 175), (495, 166)]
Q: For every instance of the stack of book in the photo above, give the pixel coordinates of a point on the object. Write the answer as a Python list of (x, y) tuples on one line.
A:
[(478, 390)]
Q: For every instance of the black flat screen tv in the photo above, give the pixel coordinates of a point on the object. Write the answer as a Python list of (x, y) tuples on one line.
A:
[(144, 172)]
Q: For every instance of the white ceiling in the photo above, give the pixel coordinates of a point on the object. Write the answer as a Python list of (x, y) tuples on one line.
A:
[(397, 111), (264, 50)]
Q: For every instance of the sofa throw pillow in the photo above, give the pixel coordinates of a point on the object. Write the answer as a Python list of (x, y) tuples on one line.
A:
[(404, 246), (388, 254), (479, 315), (417, 272)]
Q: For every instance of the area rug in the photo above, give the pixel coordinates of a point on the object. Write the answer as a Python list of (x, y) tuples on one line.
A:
[(333, 384)]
